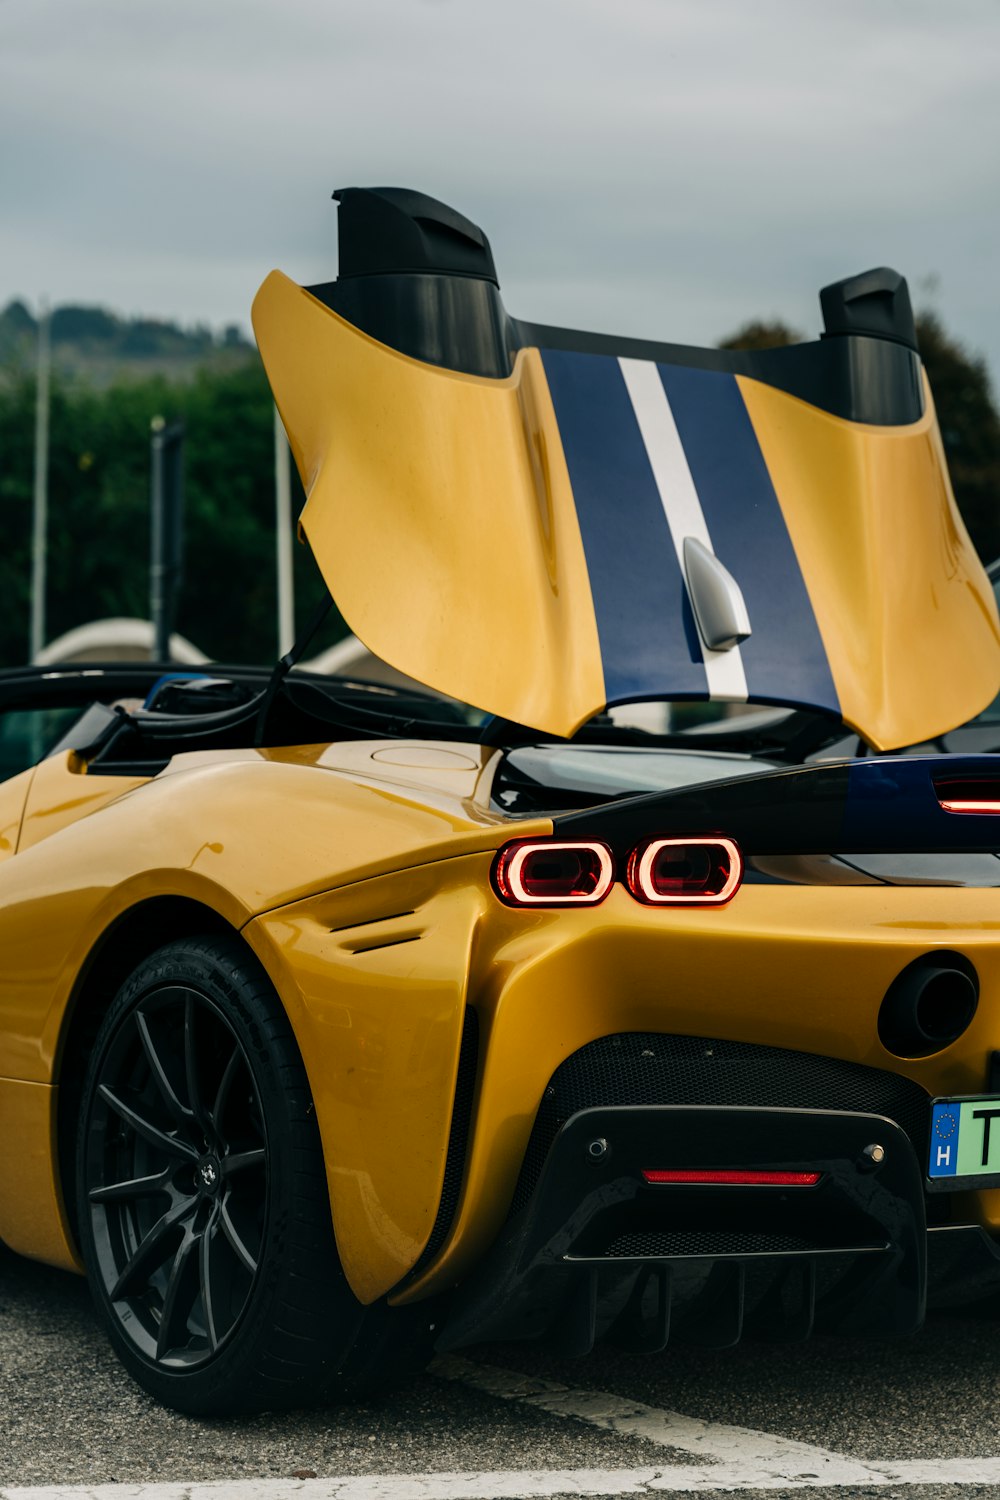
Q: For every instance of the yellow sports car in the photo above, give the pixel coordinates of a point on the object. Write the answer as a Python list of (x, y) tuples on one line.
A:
[(585, 995)]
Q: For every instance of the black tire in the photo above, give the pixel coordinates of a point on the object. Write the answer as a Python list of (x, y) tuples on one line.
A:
[(201, 1189)]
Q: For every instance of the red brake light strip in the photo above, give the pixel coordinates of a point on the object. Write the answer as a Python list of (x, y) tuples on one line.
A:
[(733, 1178)]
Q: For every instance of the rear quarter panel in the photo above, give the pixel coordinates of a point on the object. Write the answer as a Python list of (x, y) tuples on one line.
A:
[(241, 836)]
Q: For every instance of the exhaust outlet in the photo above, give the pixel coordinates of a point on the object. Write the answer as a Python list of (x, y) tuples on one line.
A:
[(928, 1005)]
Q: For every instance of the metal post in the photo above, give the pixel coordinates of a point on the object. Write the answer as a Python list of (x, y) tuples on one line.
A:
[(166, 504), (39, 544), (157, 561), (283, 548)]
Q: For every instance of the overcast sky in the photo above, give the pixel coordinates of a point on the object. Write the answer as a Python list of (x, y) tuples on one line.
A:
[(666, 168)]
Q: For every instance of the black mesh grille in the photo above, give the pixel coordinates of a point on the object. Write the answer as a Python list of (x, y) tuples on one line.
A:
[(454, 1169), (648, 1068), (703, 1242)]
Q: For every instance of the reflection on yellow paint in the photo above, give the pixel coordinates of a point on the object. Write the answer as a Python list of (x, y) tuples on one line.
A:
[(905, 610), (457, 488)]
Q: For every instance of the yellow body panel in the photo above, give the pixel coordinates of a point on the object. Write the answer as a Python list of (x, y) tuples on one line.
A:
[(32, 1218), (359, 875), (308, 832), (797, 967), (374, 980), (881, 546), (367, 900), (62, 792), (13, 794), (243, 834), (440, 512)]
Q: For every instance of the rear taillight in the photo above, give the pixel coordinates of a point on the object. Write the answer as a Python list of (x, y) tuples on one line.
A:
[(676, 872), (547, 873), (969, 796)]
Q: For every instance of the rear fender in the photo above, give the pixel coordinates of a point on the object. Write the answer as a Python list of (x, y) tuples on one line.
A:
[(374, 980)]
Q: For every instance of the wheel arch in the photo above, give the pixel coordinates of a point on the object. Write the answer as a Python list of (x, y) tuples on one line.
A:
[(119, 950)]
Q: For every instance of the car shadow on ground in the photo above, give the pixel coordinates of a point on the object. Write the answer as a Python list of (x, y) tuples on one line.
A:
[(69, 1413)]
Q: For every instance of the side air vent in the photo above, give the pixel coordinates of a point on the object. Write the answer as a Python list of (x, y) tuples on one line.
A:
[(458, 1139)]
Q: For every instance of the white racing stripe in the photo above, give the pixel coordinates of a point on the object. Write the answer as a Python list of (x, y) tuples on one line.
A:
[(679, 498)]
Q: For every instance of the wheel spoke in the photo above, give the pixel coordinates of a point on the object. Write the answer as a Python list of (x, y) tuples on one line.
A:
[(180, 1112), (173, 1318), (191, 1067), (146, 1128), (235, 1241), (135, 1187), (240, 1161), (225, 1086), (151, 1252), (176, 1171), (205, 1280)]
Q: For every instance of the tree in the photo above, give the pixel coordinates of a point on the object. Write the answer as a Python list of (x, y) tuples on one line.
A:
[(970, 429), (99, 511)]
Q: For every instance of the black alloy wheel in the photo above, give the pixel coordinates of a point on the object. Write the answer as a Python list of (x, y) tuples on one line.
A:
[(201, 1189), (179, 1149)]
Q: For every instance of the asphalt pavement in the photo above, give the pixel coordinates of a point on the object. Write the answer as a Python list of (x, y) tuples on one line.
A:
[(69, 1415)]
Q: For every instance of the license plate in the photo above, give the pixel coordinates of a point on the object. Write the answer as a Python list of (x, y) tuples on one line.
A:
[(965, 1141)]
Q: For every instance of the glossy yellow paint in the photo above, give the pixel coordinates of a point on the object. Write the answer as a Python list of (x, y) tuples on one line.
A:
[(31, 1209), (61, 793), (436, 497), (457, 490), (374, 981), (905, 610), (359, 874), (241, 836), (799, 967), (12, 799)]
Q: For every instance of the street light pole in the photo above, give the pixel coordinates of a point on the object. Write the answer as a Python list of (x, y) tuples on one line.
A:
[(283, 527), (166, 507), (39, 542)]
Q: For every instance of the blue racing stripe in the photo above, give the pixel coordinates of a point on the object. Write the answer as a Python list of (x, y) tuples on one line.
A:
[(784, 659), (649, 641)]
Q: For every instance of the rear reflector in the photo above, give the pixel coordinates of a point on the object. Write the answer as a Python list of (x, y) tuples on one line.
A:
[(547, 873), (735, 1179), (677, 872)]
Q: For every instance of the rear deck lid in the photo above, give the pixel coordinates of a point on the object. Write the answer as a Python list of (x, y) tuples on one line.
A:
[(542, 522)]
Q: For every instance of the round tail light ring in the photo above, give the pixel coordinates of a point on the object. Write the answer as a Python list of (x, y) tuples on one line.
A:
[(550, 872), (685, 871)]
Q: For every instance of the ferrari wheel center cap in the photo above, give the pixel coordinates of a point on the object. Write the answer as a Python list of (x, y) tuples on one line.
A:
[(208, 1174)]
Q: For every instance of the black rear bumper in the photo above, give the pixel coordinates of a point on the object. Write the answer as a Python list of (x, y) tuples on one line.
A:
[(597, 1252)]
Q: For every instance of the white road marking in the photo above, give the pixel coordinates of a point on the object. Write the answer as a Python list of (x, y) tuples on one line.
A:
[(681, 505), (731, 1459), (707, 1440), (525, 1484)]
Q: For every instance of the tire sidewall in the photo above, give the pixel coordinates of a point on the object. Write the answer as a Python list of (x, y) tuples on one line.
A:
[(295, 1224)]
